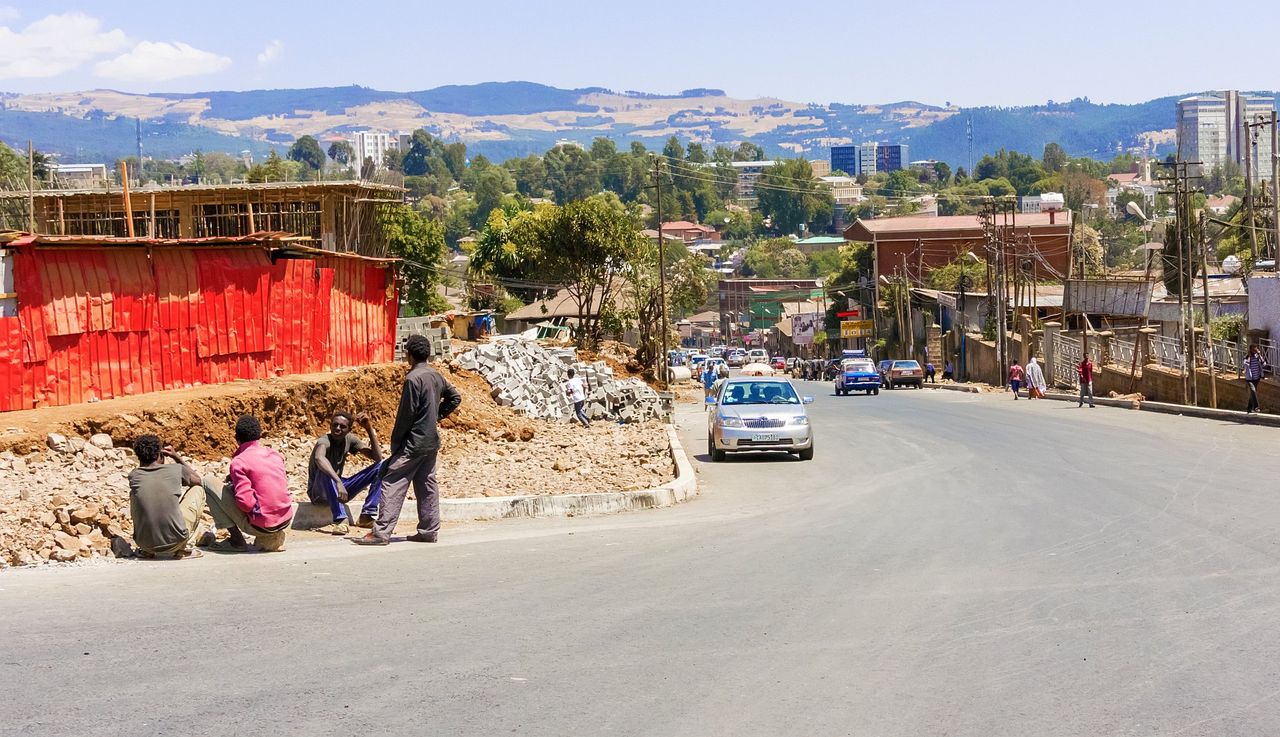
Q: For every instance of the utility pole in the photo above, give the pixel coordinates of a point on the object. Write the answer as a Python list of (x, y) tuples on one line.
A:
[(1208, 332), (662, 277), (31, 188), (1275, 194)]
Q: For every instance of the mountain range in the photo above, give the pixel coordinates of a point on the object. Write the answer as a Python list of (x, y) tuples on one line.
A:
[(503, 119)]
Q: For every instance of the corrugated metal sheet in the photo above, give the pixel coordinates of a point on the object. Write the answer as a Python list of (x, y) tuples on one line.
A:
[(96, 323)]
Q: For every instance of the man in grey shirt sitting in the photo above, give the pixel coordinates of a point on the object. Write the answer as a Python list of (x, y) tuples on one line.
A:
[(165, 501)]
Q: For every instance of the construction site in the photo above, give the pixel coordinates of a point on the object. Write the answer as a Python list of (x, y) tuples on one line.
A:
[(196, 315)]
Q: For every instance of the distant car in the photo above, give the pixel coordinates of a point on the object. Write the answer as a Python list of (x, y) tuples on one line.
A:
[(716, 351), (695, 361), (778, 362), (736, 358), (758, 355), (905, 373), (713, 364), (857, 374), (758, 413)]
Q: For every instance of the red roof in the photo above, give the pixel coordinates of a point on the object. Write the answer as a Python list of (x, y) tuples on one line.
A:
[(865, 230)]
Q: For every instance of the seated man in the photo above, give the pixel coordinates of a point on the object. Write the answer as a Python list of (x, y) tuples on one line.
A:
[(325, 483), (165, 501), (255, 499)]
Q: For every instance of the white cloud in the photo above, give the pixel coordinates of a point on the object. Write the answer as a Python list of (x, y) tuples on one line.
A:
[(271, 52), (54, 45), (160, 61)]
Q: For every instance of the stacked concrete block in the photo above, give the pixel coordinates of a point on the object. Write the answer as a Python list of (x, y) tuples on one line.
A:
[(530, 379), (440, 337)]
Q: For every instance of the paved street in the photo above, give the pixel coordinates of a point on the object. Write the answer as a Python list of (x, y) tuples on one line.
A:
[(948, 564)]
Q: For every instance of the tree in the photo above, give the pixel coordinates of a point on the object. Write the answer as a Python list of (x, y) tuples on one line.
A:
[(420, 242), (1054, 158), (947, 278), (696, 154), (571, 174), (530, 175), (776, 258), (490, 186), (274, 169), (673, 150), (788, 193), (748, 151), (586, 246), (689, 286), (942, 172), (342, 152), (423, 147), (455, 159), (306, 150)]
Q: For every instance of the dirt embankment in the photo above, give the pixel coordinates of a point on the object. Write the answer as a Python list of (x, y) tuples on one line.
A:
[(73, 503)]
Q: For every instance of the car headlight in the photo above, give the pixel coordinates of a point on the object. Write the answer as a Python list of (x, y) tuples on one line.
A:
[(800, 420), (727, 421)]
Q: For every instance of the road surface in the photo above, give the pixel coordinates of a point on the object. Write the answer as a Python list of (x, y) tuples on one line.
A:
[(948, 564)]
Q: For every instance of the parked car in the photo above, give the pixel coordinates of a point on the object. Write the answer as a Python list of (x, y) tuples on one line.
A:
[(778, 362), (758, 413), (736, 357), (905, 373), (857, 374)]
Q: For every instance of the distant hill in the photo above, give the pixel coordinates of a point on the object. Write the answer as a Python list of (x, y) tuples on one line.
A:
[(502, 119)]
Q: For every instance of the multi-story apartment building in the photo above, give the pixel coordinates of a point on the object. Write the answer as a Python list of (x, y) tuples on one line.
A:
[(867, 159), (845, 159), (891, 156), (1212, 129), (371, 145), (748, 174)]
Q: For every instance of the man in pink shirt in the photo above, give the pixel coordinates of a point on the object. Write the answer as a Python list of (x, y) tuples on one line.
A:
[(255, 499)]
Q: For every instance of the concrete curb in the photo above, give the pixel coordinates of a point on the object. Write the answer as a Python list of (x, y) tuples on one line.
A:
[(1225, 415), (680, 489), (970, 388)]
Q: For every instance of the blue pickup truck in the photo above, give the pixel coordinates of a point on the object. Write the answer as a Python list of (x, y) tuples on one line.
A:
[(857, 374)]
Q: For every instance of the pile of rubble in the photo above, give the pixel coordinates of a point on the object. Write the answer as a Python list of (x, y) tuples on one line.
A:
[(530, 379), (86, 515)]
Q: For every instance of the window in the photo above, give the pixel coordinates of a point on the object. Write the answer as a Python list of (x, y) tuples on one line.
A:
[(759, 392)]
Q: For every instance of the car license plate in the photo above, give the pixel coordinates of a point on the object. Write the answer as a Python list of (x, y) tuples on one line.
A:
[(764, 438)]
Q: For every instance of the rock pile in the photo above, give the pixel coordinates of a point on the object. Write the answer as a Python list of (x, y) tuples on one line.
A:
[(530, 379), (440, 336)]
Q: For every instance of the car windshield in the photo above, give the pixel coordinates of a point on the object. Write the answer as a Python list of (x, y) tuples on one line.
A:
[(906, 365), (859, 366), (760, 392)]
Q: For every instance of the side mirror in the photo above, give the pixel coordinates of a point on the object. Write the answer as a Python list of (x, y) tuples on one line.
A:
[(711, 400), (807, 400)]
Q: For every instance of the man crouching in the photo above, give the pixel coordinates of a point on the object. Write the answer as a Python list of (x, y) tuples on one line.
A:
[(327, 485)]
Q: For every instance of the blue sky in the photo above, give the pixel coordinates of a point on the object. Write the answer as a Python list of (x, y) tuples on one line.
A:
[(992, 53)]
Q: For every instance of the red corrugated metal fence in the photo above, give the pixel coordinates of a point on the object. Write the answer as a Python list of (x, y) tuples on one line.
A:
[(101, 322)]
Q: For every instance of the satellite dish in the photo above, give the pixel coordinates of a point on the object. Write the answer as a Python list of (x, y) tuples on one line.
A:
[(1231, 264)]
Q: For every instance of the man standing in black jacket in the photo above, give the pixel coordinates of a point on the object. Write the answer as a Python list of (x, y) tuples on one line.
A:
[(426, 399)]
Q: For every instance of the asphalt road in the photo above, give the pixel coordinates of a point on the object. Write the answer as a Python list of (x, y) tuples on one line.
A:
[(948, 564)]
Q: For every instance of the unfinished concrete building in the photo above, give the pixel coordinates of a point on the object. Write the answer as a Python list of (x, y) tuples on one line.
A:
[(337, 216)]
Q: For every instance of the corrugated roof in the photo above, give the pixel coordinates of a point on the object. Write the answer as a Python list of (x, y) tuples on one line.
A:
[(914, 223), (179, 189)]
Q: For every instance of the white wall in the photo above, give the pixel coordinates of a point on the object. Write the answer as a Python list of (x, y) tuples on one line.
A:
[(1264, 304)]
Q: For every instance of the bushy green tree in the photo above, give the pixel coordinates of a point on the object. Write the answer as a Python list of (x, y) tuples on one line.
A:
[(420, 241), (788, 193), (306, 150)]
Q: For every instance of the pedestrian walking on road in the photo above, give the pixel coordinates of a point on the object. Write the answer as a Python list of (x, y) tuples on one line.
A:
[(1254, 366), (1036, 385), (1015, 379), (325, 482), (574, 390), (425, 399), (165, 501), (255, 500), (1085, 372)]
